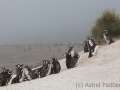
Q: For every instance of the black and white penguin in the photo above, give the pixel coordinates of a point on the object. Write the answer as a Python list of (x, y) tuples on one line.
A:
[(107, 37), (92, 46)]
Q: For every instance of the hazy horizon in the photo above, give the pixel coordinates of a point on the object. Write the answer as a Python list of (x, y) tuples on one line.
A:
[(49, 21)]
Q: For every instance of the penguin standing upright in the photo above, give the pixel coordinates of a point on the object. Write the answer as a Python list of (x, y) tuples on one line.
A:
[(107, 37), (93, 48), (71, 58)]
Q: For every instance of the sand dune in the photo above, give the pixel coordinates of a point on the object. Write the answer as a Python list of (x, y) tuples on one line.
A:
[(101, 72)]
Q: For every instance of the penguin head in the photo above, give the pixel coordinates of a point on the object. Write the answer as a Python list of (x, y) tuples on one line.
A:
[(105, 31), (70, 48), (89, 38)]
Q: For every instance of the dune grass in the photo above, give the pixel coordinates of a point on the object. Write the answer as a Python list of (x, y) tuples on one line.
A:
[(107, 20)]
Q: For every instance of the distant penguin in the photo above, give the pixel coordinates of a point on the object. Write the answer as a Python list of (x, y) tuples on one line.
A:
[(92, 46), (107, 37)]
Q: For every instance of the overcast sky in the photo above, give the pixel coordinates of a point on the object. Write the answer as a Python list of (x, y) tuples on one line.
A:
[(49, 21)]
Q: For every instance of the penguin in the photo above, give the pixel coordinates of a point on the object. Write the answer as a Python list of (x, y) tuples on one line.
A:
[(107, 37), (92, 46)]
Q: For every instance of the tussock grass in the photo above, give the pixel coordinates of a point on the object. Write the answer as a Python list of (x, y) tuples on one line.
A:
[(107, 20)]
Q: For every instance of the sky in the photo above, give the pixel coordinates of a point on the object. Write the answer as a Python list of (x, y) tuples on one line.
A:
[(49, 21)]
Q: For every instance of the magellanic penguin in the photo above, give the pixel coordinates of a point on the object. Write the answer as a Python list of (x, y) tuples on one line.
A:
[(107, 37)]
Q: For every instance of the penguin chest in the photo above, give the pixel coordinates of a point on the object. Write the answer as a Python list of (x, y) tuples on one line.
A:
[(72, 53), (106, 38)]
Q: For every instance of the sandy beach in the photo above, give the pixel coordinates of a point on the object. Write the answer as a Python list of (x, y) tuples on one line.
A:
[(100, 72)]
